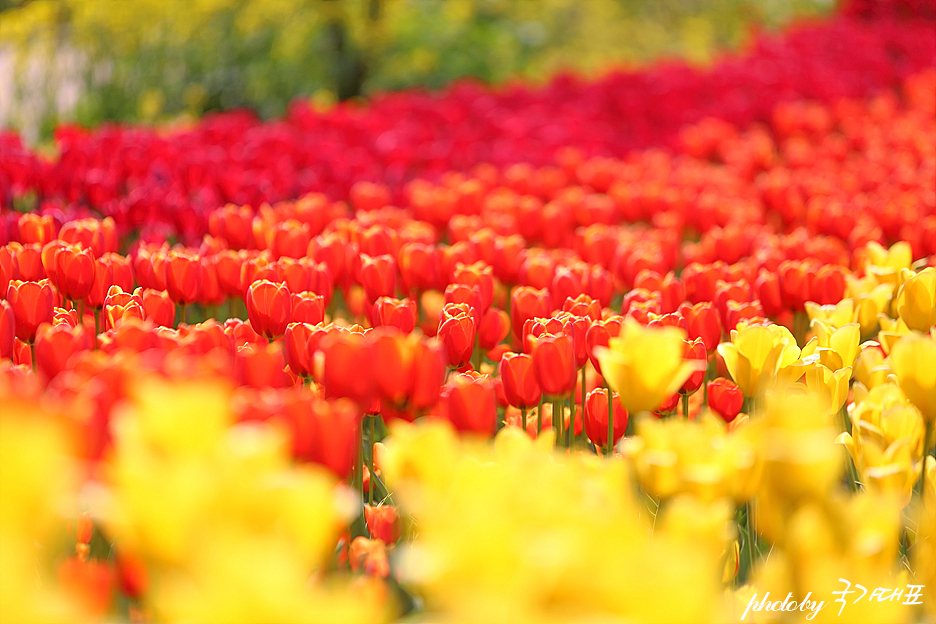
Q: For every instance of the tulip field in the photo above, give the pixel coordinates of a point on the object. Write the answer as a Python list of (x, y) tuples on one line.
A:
[(653, 347)]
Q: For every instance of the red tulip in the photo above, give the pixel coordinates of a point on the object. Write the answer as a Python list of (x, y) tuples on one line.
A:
[(183, 277), (260, 366), (494, 327), (75, 270), (725, 398), (383, 523), (36, 229), (399, 313), (120, 305), (703, 323), (7, 329), (296, 347), (159, 308), (694, 350), (378, 277), (103, 280), (56, 344), (584, 306), (348, 366), (528, 303), (521, 388), (478, 275), (419, 267), (599, 335), (32, 306), (468, 402), (596, 417), (554, 365), (307, 307), (457, 333), (233, 224), (269, 308)]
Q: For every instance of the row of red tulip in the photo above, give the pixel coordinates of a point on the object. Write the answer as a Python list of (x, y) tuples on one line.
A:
[(148, 179)]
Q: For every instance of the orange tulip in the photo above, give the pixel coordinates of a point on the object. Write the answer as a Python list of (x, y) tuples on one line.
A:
[(103, 280), (725, 398), (480, 275), (703, 323), (260, 366), (378, 276), (383, 522), (158, 306), (120, 305), (35, 228), (32, 306), (269, 307), (494, 327)]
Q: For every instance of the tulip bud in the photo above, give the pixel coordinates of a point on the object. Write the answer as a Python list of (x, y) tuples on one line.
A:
[(183, 277), (528, 303), (157, 305), (75, 270), (468, 402), (296, 343), (494, 327), (383, 522)]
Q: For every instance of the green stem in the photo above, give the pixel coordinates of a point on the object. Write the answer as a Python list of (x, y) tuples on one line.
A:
[(523, 419), (609, 447), (539, 418), (230, 307), (32, 352), (182, 313), (921, 483), (583, 396), (557, 420), (370, 463), (476, 357), (685, 406)]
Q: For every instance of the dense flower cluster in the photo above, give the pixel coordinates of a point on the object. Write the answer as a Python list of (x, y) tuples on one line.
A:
[(646, 387)]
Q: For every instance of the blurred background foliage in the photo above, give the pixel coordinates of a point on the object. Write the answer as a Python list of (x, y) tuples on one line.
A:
[(154, 60)]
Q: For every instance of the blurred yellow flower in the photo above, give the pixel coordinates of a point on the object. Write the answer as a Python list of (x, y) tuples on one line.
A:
[(756, 353), (916, 299), (645, 365), (838, 346), (913, 359)]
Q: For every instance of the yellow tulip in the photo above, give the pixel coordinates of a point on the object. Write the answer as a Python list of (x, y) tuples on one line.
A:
[(835, 316), (916, 300), (885, 264), (755, 354), (870, 305), (891, 331), (871, 367), (831, 386), (913, 359), (645, 365), (842, 344)]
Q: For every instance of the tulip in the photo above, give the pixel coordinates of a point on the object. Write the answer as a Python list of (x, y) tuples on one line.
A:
[(55, 345), (7, 329), (419, 267), (269, 307), (599, 334), (912, 360), (916, 299), (307, 307), (695, 350), (468, 402), (596, 418), (457, 333), (583, 306), (260, 366), (399, 313), (75, 271), (296, 348), (28, 263), (478, 275), (120, 305), (521, 388), (103, 280), (643, 382), (383, 522), (347, 365), (725, 398), (528, 303), (48, 256), (378, 276), (159, 308), (32, 305), (183, 277), (35, 228), (494, 327), (334, 430), (233, 224), (554, 365), (754, 356), (6, 267)]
